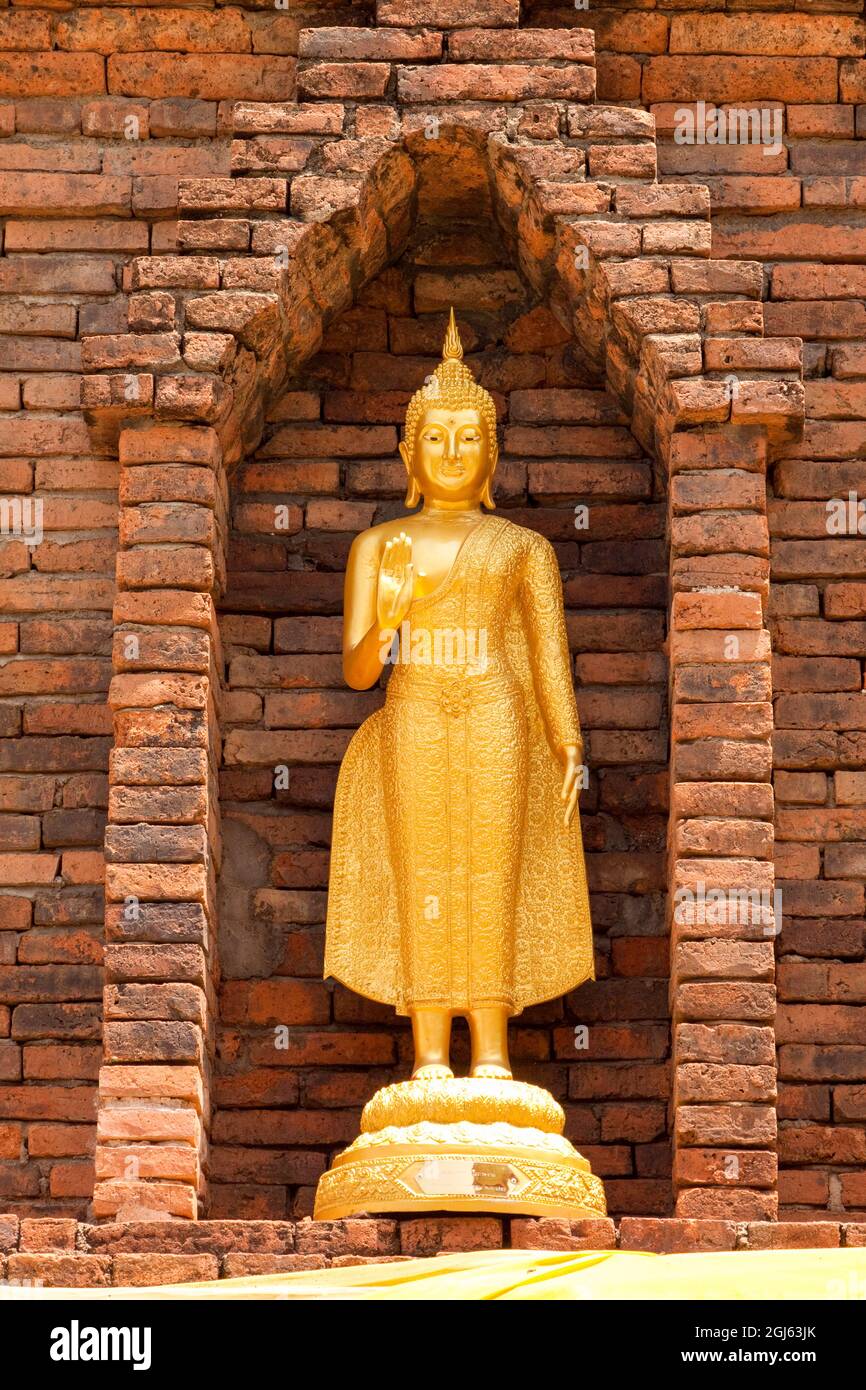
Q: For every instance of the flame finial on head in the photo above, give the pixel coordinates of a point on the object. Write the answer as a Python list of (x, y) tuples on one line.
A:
[(452, 348)]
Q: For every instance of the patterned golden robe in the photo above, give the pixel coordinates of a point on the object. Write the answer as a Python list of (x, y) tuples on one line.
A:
[(453, 878)]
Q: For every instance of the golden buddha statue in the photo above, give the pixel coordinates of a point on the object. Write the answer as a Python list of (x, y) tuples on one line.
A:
[(458, 883)]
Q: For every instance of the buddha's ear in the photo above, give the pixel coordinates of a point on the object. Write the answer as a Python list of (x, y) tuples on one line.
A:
[(487, 493), (413, 492)]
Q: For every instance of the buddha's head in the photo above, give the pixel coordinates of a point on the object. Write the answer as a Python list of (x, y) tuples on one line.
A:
[(449, 445)]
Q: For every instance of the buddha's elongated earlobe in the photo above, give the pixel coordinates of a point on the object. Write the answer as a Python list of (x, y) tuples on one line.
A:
[(487, 491), (413, 492)]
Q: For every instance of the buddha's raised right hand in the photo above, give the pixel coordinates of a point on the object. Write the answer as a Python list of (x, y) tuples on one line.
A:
[(395, 584)]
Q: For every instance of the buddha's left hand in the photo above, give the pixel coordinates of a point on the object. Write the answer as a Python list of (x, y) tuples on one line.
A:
[(571, 755)]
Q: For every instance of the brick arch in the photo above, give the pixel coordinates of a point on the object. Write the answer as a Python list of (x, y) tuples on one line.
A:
[(281, 633), (215, 331)]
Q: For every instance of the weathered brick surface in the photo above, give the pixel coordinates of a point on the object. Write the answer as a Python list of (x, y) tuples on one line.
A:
[(158, 171)]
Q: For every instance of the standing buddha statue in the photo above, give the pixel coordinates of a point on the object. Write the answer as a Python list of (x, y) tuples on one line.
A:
[(458, 882)]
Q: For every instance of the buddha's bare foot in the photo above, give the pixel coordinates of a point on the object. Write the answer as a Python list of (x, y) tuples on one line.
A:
[(488, 1072), (433, 1071)]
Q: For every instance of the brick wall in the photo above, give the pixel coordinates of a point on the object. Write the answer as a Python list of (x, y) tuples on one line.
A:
[(102, 112)]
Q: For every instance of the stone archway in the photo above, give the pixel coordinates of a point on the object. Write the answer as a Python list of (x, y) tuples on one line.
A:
[(622, 262)]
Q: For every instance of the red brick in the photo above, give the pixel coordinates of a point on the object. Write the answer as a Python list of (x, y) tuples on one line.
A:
[(450, 14), (51, 74), (147, 1270), (60, 1271), (440, 1235), (740, 79), (669, 1237), (211, 77), (502, 82), (794, 1235)]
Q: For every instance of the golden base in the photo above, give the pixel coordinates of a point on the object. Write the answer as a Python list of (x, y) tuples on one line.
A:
[(458, 1164)]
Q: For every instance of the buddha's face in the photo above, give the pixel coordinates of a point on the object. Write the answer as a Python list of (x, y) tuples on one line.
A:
[(453, 457)]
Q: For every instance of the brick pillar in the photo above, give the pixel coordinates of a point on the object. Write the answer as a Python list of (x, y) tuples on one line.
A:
[(721, 830), (162, 841)]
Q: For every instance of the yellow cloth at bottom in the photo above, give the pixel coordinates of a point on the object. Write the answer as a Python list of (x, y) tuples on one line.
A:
[(537, 1275)]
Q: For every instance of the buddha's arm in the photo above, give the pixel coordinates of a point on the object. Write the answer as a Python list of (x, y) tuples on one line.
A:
[(544, 618), (377, 596), (362, 641)]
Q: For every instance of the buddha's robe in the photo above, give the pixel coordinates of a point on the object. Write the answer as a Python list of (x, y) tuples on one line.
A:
[(454, 881)]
